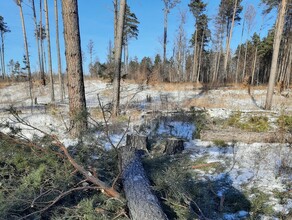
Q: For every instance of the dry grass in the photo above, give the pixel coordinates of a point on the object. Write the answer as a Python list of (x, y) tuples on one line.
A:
[(183, 86), (135, 114), (205, 102), (4, 84)]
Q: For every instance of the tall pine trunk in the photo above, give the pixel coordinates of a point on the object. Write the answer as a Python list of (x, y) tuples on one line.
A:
[(116, 10), (200, 57), (36, 35), (3, 55), (49, 52), (26, 51), (244, 62), (239, 54), (164, 42), (254, 65), (276, 47), (76, 91), (195, 61), (43, 77), (118, 56), (61, 81), (1, 60)]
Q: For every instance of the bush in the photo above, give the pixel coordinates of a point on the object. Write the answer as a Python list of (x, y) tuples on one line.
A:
[(285, 122), (253, 123), (32, 178)]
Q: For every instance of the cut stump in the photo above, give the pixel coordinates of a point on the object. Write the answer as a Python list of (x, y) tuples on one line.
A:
[(174, 146)]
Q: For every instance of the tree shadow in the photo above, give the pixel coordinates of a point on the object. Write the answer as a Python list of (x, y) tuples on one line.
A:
[(255, 101), (186, 195)]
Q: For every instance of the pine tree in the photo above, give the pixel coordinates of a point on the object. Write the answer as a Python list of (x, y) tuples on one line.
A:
[(229, 11), (130, 31), (76, 91), (276, 46)]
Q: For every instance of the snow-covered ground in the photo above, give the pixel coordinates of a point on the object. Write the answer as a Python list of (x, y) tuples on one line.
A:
[(266, 167)]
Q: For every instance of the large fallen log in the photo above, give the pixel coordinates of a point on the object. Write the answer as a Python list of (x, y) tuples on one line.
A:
[(141, 200), (245, 136)]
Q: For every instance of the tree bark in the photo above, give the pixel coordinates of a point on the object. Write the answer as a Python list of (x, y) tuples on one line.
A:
[(141, 201), (76, 91), (118, 56), (276, 47), (174, 146), (61, 81), (138, 142)]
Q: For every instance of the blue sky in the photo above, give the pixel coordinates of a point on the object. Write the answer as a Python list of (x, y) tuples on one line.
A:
[(96, 23)]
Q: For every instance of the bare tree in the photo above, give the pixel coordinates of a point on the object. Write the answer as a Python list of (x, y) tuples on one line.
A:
[(61, 80), (249, 17), (117, 60), (19, 4), (180, 47), (76, 91), (276, 47)]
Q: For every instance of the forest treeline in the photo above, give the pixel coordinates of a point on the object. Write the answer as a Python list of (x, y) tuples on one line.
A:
[(205, 58)]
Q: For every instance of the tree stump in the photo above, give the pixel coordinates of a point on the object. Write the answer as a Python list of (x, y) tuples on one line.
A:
[(174, 146), (138, 142), (142, 202)]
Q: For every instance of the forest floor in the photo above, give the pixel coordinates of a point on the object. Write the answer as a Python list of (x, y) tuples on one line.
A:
[(261, 171)]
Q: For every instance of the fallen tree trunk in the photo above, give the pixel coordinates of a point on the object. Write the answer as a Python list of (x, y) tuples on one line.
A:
[(142, 202), (245, 136)]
